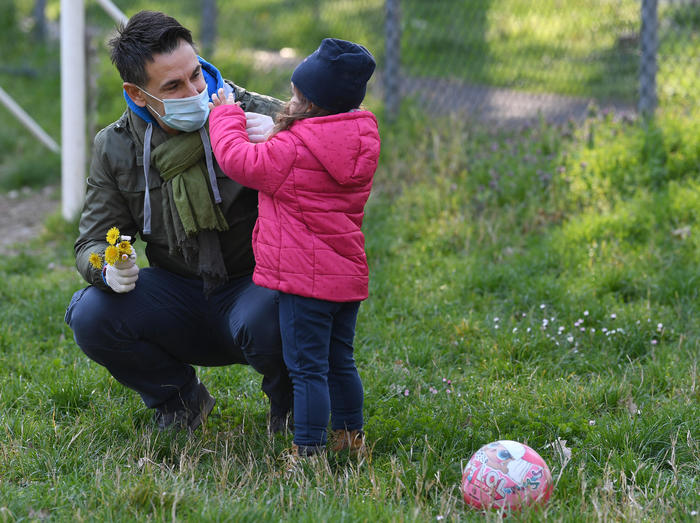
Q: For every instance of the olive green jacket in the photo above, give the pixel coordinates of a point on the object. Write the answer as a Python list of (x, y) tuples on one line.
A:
[(115, 196)]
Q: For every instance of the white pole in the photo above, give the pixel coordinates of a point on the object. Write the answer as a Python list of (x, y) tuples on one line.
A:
[(73, 153), (28, 122), (113, 11)]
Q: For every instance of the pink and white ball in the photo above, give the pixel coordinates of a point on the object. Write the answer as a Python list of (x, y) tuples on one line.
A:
[(506, 475)]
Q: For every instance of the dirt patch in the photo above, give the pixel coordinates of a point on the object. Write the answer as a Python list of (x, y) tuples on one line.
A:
[(23, 212)]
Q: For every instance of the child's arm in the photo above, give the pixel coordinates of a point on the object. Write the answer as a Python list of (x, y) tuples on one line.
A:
[(262, 166)]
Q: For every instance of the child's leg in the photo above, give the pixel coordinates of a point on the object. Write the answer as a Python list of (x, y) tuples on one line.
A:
[(305, 325), (344, 383)]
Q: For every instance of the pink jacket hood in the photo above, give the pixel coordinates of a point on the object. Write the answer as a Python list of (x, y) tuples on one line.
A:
[(345, 144)]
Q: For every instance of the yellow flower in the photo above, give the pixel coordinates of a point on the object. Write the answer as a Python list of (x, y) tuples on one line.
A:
[(96, 260), (112, 235), (111, 254), (124, 248)]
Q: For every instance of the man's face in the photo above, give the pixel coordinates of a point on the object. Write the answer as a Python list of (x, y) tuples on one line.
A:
[(172, 75)]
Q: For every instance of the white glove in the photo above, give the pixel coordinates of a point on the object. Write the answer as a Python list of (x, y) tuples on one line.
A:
[(121, 277), (258, 126)]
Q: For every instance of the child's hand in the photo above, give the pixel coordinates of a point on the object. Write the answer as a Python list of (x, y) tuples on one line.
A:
[(218, 99)]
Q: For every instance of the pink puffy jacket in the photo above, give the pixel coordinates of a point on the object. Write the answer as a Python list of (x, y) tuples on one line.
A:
[(313, 181)]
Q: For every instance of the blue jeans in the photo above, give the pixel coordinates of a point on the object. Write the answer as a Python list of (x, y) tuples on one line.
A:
[(317, 338), (149, 338)]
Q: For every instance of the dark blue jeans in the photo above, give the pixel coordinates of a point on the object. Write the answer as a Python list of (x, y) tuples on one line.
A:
[(317, 341), (149, 338)]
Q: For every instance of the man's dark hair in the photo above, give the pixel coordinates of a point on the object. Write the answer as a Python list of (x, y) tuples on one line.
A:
[(145, 34)]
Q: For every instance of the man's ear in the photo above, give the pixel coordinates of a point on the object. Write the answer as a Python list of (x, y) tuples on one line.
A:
[(135, 94)]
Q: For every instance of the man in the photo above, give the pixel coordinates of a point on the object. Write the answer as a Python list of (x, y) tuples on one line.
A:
[(153, 174)]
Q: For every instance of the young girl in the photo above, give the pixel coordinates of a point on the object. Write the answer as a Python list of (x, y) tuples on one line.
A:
[(314, 175)]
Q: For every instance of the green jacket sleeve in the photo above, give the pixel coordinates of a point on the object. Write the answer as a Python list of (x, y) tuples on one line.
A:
[(104, 208)]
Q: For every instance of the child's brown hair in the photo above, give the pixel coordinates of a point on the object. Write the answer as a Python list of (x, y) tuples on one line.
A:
[(287, 117)]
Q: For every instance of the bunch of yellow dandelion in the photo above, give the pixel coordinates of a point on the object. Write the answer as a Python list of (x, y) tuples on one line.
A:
[(119, 248)]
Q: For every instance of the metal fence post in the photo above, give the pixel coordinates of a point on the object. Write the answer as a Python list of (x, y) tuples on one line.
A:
[(392, 57), (647, 65), (208, 25), (40, 20), (73, 140)]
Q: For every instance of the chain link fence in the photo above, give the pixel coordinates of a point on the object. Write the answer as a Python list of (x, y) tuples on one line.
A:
[(496, 60), (678, 53), (512, 60)]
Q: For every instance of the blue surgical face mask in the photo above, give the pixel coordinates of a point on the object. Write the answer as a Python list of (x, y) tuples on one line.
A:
[(184, 114)]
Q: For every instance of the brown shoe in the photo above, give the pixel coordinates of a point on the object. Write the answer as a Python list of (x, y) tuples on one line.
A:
[(352, 440)]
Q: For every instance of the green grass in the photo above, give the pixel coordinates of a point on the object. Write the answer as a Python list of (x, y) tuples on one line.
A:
[(489, 254)]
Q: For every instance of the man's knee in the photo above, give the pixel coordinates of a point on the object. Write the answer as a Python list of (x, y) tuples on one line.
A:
[(85, 314), (255, 323)]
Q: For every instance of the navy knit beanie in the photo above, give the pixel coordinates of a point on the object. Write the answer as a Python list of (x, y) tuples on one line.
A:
[(335, 76)]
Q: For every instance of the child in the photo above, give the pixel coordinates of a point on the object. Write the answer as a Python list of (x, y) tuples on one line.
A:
[(314, 175)]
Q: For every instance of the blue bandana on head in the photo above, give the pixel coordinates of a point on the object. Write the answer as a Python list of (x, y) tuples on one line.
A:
[(211, 75)]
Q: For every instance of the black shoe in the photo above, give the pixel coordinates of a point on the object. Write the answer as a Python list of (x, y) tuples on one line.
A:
[(280, 423), (194, 409)]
